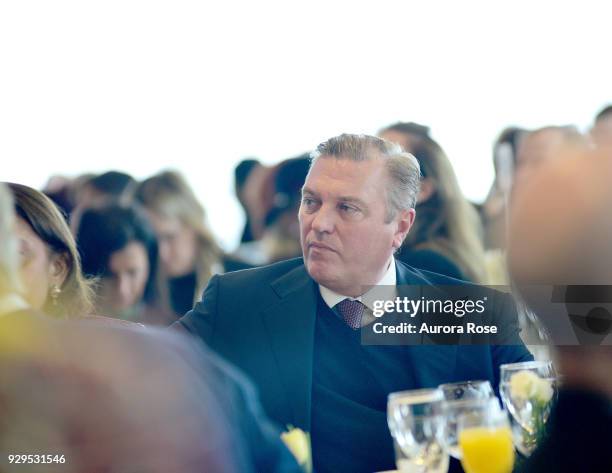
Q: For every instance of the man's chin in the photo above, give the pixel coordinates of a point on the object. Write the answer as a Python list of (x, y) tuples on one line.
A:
[(320, 272)]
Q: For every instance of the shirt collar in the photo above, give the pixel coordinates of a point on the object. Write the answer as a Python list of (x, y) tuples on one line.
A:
[(11, 303), (332, 298)]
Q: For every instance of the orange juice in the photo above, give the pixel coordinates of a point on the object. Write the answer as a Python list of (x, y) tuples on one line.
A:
[(486, 450)]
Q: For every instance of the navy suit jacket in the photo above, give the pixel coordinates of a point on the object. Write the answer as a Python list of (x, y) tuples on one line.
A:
[(262, 320)]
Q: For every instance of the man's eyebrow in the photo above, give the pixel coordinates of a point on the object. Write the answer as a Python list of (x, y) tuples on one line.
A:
[(345, 198), (352, 200)]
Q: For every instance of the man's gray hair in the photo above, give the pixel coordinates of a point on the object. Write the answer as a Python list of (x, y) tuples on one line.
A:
[(403, 169), (9, 281)]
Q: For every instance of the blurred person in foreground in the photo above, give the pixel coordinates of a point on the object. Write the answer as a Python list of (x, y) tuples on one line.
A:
[(50, 266), (518, 154), (445, 237), (188, 251), (547, 144), (118, 248), (99, 397), (561, 236), (295, 327)]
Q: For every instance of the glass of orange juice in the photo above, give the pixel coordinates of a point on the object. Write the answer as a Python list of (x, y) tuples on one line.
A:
[(485, 440)]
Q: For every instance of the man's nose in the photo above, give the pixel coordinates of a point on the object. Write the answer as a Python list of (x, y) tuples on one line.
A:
[(324, 220)]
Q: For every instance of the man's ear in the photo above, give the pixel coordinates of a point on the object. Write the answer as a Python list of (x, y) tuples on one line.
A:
[(58, 269), (405, 219)]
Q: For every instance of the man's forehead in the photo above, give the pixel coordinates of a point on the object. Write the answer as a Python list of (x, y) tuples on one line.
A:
[(344, 166), (345, 180)]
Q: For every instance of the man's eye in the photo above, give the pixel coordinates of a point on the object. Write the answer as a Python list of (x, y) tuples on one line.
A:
[(347, 208), (308, 202)]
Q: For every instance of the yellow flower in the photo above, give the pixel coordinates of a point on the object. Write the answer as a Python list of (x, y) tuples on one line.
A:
[(298, 442), (544, 390), (528, 385)]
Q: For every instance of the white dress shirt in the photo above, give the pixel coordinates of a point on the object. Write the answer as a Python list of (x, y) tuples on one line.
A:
[(388, 280)]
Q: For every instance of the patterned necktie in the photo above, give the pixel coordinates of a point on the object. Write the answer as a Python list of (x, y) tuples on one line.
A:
[(351, 312)]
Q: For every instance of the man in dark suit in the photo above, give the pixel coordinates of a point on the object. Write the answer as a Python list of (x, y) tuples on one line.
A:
[(293, 326)]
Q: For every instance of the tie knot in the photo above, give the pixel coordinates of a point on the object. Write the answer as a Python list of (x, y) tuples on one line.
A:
[(351, 312)]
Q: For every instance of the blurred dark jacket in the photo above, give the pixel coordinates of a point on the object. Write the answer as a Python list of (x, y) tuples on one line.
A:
[(579, 435)]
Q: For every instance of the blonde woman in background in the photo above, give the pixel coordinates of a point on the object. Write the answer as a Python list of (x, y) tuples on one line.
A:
[(188, 251), (446, 235)]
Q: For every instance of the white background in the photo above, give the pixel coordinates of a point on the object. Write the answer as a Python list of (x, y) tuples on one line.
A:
[(145, 85)]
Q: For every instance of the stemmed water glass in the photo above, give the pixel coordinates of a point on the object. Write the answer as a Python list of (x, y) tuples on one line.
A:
[(416, 421), (527, 390)]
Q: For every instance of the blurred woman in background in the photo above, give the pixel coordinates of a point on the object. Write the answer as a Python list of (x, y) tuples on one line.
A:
[(49, 262), (119, 247), (188, 252), (281, 237), (446, 235), (98, 190), (493, 211)]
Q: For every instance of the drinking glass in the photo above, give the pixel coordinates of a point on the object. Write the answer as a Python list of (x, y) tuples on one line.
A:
[(485, 439), (466, 390), (416, 421), (461, 398), (529, 400)]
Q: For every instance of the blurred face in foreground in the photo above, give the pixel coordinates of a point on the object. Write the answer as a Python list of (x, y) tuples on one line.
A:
[(544, 145), (346, 242)]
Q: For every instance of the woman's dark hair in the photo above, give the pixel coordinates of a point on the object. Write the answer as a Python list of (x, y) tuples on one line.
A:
[(48, 223), (242, 171), (104, 231), (512, 137)]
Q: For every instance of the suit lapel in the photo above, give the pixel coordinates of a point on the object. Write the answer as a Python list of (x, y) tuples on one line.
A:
[(290, 327), (290, 324), (433, 363)]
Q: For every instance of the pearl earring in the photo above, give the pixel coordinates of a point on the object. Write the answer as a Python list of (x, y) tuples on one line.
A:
[(55, 292)]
